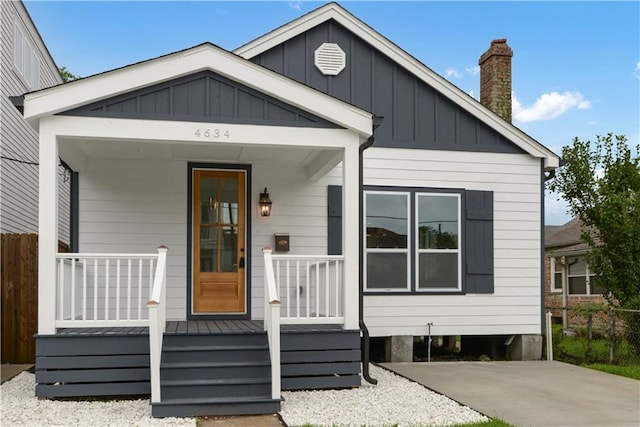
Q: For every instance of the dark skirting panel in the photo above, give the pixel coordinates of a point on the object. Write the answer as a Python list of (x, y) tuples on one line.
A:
[(320, 359), (92, 365)]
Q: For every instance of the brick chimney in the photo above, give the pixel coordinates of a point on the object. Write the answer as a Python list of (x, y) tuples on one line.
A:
[(495, 78)]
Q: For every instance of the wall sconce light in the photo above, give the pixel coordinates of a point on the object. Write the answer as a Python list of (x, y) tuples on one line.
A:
[(265, 203)]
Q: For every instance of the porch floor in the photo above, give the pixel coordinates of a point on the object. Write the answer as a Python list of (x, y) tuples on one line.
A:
[(200, 327)]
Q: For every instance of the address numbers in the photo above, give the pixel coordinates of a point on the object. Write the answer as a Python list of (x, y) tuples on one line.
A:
[(212, 133)]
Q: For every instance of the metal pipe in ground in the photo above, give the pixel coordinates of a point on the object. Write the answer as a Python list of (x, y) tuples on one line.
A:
[(549, 338)]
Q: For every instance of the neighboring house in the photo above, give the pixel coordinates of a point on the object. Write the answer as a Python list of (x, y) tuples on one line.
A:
[(568, 277), (26, 65), (177, 150)]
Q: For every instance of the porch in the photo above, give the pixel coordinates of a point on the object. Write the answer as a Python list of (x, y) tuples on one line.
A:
[(109, 341), (212, 367)]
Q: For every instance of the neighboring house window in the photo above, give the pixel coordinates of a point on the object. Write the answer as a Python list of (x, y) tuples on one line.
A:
[(427, 244), (25, 58), (387, 249), (557, 275), (580, 278)]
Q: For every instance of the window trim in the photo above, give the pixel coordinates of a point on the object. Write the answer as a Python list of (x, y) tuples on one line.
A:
[(587, 275), (29, 67), (406, 251), (412, 289), (552, 276), (418, 251)]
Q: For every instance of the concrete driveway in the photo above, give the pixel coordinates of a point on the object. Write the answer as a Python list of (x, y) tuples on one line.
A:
[(533, 393)]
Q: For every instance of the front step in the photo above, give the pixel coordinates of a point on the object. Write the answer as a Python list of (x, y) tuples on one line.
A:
[(219, 406), (224, 374)]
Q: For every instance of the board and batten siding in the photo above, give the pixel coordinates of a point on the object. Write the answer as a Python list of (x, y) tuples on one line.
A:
[(415, 114), (19, 190), (514, 307)]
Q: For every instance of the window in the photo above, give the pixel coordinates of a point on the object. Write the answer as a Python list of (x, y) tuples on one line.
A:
[(25, 59), (419, 252), (557, 275), (580, 278), (438, 244), (387, 246)]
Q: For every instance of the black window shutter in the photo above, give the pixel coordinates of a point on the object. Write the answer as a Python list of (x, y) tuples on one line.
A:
[(478, 242), (334, 225)]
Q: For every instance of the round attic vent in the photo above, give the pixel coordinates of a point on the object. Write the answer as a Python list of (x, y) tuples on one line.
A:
[(330, 59)]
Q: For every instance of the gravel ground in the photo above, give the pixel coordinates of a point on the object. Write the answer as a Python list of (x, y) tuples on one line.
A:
[(21, 408), (394, 400)]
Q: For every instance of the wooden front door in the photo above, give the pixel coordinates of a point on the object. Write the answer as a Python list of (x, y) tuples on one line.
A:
[(218, 242)]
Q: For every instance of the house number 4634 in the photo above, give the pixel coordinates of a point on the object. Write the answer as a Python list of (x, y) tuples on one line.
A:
[(212, 133)]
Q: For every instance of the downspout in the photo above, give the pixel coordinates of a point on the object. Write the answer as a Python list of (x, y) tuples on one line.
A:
[(364, 343), (544, 178)]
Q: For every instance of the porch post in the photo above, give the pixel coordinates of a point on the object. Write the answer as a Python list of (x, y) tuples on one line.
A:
[(47, 229), (350, 231)]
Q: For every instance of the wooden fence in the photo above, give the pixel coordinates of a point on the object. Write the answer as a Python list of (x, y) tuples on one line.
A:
[(20, 296)]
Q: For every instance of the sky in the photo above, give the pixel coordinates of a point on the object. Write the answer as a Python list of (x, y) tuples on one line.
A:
[(575, 70)]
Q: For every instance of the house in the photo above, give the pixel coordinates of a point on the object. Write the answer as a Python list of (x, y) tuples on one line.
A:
[(397, 201), (26, 66), (569, 281)]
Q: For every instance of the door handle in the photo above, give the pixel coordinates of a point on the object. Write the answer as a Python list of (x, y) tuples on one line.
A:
[(241, 262)]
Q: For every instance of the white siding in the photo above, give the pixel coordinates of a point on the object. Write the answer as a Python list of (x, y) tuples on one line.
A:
[(299, 208), (19, 181), (514, 307), (133, 206), (136, 205)]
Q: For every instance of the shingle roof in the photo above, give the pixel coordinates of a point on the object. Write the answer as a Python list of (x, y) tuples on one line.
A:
[(564, 235), (566, 238)]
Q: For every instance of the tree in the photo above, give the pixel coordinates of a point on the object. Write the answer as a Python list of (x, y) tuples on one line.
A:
[(67, 75), (601, 184)]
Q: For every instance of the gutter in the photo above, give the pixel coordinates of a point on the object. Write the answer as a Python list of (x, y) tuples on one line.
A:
[(364, 343)]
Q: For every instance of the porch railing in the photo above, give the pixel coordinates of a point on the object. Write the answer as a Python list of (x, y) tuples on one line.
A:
[(311, 288), (157, 321), (102, 290), (272, 322)]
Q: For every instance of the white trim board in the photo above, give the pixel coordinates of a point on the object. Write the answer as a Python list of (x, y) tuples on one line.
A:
[(411, 64)]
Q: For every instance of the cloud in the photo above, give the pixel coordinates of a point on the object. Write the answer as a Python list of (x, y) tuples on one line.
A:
[(548, 106), (556, 209), (471, 94), (452, 72), (297, 5), (636, 72), (473, 71)]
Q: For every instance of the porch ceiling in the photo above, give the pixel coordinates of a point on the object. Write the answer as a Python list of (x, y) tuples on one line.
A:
[(193, 151)]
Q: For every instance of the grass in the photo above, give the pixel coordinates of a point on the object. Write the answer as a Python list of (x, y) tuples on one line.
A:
[(574, 349), (632, 371), (491, 423)]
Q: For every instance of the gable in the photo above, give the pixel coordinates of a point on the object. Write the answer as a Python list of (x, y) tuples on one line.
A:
[(264, 84), (415, 114), (204, 96)]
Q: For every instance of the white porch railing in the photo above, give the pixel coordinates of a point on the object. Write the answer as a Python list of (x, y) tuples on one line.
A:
[(119, 290), (102, 290), (311, 288), (272, 322), (157, 321)]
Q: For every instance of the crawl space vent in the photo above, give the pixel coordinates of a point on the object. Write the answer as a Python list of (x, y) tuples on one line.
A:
[(330, 59)]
